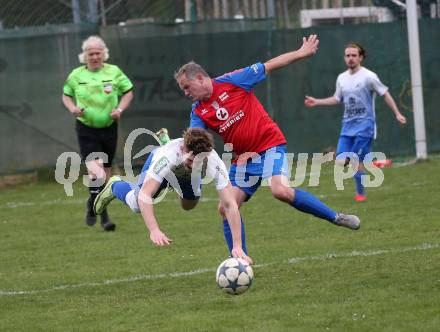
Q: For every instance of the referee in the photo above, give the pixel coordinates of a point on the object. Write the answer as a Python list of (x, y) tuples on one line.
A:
[(97, 93)]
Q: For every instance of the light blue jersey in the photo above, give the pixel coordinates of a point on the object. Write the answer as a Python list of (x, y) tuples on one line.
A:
[(357, 92)]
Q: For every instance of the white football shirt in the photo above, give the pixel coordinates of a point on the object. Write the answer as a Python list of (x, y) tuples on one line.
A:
[(357, 93), (167, 163)]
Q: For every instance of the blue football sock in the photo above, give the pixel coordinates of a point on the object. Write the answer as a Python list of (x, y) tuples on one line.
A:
[(306, 202), (120, 189), (228, 235), (360, 189)]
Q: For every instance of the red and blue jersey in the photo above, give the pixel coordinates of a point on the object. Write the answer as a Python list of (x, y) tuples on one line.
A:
[(235, 113)]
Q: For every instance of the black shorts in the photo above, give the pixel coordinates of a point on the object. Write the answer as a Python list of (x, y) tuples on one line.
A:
[(97, 140)]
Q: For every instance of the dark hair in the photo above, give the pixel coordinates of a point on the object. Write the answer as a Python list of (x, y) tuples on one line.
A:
[(198, 140), (190, 69), (359, 47)]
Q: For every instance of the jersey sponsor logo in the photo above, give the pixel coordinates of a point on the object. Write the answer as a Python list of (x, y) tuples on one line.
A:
[(351, 110), (160, 165), (235, 118), (108, 88), (254, 67), (223, 96)]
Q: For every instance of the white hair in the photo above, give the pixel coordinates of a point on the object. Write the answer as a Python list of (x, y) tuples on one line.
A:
[(86, 45)]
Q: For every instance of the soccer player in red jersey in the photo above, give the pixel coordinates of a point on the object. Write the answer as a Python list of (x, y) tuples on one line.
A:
[(228, 106)]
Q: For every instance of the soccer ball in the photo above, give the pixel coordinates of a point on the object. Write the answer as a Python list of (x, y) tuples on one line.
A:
[(234, 276)]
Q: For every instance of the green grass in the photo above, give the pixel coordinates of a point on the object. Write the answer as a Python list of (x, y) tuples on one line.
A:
[(384, 277)]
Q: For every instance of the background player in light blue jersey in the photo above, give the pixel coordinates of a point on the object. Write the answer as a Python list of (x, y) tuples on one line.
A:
[(356, 89)]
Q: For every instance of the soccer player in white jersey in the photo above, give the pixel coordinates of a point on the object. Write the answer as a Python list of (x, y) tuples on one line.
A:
[(181, 163), (356, 89)]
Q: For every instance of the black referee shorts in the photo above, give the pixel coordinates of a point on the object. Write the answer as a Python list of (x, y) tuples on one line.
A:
[(97, 140)]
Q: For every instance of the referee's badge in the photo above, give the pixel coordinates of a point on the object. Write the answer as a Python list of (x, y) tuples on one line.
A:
[(108, 88)]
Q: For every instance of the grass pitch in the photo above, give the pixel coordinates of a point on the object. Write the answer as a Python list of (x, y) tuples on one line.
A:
[(57, 274)]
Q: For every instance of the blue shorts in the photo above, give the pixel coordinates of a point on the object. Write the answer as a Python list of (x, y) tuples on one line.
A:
[(184, 183), (356, 144), (248, 177)]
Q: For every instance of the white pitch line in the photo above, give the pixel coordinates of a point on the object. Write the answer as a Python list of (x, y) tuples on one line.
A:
[(15, 205), (294, 260)]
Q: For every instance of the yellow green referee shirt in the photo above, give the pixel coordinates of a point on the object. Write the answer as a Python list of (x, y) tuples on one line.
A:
[(97, 92)]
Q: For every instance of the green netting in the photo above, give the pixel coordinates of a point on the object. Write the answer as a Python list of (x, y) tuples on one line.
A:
[(35, 128), (317, 129), (150, 61)]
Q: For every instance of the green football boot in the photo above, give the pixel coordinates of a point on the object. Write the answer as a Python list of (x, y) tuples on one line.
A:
[(163, 137), (105, 196)]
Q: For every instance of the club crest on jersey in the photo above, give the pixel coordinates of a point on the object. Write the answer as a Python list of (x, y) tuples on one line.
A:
[(220, 172), (108, 88), (221, 114)]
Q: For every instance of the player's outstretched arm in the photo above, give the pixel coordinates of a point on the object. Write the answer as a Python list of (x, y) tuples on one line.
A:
[(310, 101), (145, 201), (233, 215), (308, 48), (392, 104)]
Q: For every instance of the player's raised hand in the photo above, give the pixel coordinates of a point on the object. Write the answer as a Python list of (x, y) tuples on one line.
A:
[(239, 253), (310, 101), (310, 45), (159, 238)]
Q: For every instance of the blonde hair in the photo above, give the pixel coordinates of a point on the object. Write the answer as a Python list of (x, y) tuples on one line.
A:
[(190, 70), (92, 40)]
